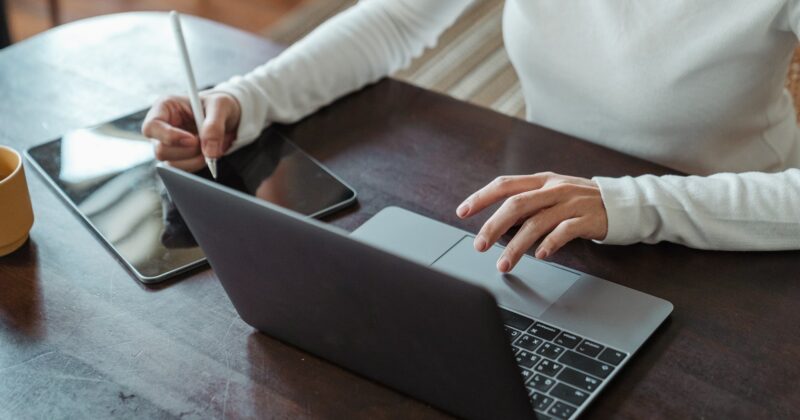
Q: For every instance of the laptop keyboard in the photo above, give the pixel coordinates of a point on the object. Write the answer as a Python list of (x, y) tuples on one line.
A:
[(562, 371)]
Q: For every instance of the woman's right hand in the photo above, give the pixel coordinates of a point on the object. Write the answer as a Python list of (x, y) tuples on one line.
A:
[(170, 123)]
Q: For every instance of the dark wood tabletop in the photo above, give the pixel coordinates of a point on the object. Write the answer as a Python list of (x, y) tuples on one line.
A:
[(81, 338), (5, 35)]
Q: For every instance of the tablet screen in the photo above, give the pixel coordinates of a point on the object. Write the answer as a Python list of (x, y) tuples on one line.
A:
[(107, 173)]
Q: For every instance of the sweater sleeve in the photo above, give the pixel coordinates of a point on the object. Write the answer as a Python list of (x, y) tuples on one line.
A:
[(748, 211), (366, 42)]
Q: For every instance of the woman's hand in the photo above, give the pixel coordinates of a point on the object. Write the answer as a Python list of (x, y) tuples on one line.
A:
[(566, 207), (171, 123)]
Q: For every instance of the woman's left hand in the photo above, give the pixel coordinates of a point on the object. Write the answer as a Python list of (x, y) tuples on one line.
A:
[(566, 207)]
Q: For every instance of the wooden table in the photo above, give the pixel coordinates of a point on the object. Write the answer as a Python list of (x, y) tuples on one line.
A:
[(80, 338), (5, 35)]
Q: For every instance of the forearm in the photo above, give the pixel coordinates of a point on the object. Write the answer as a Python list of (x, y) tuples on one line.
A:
[(748, 211), (359, 46)]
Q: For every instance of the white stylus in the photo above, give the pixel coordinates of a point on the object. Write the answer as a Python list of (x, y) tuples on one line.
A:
[(194, 98)]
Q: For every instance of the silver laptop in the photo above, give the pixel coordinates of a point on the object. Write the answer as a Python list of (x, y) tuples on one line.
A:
[(406, 301)]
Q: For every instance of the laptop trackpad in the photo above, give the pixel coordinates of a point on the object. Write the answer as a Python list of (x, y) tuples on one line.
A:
[(531, 287)]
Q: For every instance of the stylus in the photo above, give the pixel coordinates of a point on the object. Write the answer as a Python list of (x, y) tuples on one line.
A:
[(194, 98)]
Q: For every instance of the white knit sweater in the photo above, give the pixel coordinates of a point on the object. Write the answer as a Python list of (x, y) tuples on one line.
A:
[(696, 85)]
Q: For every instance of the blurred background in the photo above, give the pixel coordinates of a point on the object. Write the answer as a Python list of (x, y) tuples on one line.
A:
[(469, 63), (26, 18)]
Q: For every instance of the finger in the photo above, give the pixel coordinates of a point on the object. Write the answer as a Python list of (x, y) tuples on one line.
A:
[(565, 231), (167, 134), (212, 135), (520, 206), (532, 229), (175, 111), (165, 153), (190, 165), (159, 111), (499, 189)]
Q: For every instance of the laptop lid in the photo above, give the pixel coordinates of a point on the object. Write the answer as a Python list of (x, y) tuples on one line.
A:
[(408, 326)]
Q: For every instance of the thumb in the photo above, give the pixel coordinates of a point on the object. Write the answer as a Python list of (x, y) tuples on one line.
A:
[(212, 134)]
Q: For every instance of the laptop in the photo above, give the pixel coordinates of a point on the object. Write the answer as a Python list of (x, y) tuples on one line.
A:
[(406, 301)]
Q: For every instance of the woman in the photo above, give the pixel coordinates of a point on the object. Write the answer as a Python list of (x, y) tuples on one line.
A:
[(693, 85)]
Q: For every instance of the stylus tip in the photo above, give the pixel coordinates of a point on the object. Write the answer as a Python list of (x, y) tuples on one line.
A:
[(212, 166)]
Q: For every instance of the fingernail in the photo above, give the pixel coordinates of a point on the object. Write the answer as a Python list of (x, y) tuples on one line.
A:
[(462, 210), (210, 150), (503, 265), (480, 243), (541, 254)]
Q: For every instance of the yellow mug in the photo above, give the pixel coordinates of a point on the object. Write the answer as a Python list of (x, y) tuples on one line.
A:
[(16, 214)]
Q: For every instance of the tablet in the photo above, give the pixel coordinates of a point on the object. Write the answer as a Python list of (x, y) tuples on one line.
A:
[(107, 174)]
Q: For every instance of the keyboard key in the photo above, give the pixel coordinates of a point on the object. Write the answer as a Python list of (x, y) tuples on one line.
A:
[(540, 402), (515, 320), (569, 394), (561, 410), (581, 362), (526, 375), (548, 367), (512, 333), (544, 331), (541, 383), (589, 348), (612, 356), (568, 340), (526, 359), (528, 342), (550, 350), (581, 380)]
